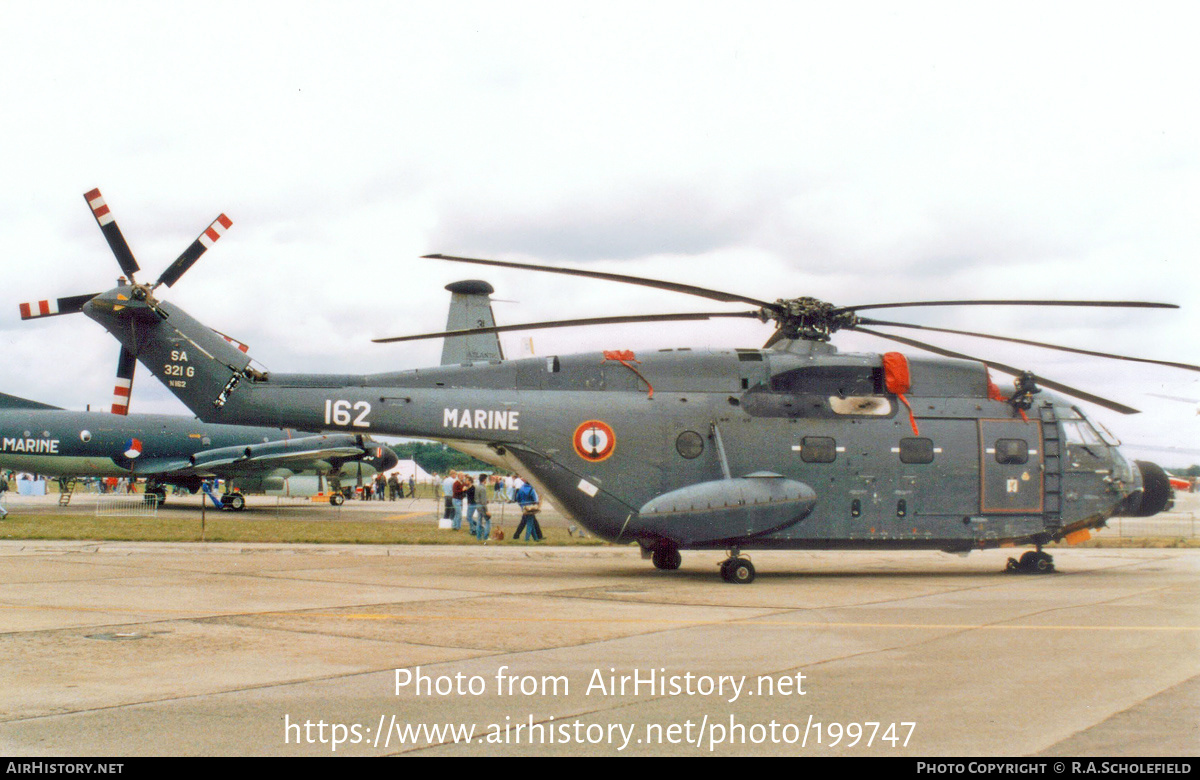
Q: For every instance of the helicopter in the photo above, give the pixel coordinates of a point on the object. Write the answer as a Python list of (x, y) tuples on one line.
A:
[(793, 445), (175, 450)]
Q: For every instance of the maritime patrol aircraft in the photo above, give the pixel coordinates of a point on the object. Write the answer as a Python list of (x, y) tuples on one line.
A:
[(794, 445), (170, 450)]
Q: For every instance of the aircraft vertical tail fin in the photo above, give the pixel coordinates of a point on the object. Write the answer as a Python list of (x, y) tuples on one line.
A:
[(470, 307), (196, 363)]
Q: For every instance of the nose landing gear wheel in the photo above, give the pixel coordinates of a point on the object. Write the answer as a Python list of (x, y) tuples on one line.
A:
[(1032, 563), (737, 570), (666, 558)]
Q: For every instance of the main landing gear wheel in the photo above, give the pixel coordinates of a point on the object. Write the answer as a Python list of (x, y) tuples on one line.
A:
[(235, 502), (1032, 563), (737, 570), (666, 558)]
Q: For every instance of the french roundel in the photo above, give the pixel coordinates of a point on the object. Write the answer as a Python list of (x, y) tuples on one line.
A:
[(594, 441)]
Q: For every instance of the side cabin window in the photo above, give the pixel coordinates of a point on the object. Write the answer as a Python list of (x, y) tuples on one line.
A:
[(916, 450), (818, 449), (822, 391), (1012, 451), (841, 381)]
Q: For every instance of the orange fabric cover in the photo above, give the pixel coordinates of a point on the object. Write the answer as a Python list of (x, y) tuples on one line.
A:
[(897, 381), (895, 373)]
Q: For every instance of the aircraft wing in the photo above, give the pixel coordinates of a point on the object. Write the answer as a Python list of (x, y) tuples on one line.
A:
[(16, 402), (309, 453)]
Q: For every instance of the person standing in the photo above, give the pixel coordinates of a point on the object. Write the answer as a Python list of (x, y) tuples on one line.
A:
[(476, 500), (527, 498), (448, 496), (468, 500), (458, 492)]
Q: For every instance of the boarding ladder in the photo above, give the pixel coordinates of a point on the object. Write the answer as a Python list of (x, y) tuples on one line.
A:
[(1052, 455), (66, 487)]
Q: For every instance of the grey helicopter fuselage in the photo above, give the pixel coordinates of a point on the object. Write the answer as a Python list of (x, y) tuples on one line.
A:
[(797, 446)]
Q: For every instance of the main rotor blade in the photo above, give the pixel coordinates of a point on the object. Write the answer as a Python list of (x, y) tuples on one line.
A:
[(686, 289), (55, 306), (126, 365), (573, 323), (198, 247), (112, 233), (1111, 304), (884, 323), (1065, 389)]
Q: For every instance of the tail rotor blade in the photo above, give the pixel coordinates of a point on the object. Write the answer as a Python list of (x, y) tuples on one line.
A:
[(52, 307), (126, 364), (198, 247), (112, 233)]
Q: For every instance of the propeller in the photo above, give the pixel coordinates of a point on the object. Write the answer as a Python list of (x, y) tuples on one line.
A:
[(127, 360), (811, 319)]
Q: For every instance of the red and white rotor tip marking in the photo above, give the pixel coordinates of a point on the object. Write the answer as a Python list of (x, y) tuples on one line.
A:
[(53, 306), (121, 393), (242, 347), (99, 207), (39, 309), (215, 231)]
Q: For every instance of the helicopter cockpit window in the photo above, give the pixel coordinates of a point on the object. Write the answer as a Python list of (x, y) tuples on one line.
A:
[(818, 449), (1012, 451), (1081, 431), (916, 450)]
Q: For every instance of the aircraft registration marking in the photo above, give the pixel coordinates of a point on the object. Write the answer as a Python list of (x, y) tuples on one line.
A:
[(339, 412), (175, 370)]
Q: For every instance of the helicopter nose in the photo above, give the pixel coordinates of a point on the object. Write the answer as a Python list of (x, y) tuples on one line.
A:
[(1156, 495)]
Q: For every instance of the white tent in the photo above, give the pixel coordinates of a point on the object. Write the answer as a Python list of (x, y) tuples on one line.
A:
[(409, 468)]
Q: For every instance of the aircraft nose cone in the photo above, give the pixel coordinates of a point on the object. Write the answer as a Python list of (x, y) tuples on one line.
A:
[(1157, 494)]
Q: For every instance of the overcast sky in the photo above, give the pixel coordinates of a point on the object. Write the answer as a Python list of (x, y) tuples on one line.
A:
[(854, 152)]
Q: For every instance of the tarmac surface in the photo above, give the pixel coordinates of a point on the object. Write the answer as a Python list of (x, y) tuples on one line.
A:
[(126, 649)]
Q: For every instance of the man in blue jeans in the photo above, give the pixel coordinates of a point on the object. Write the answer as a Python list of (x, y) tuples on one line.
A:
[(528, 500)]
